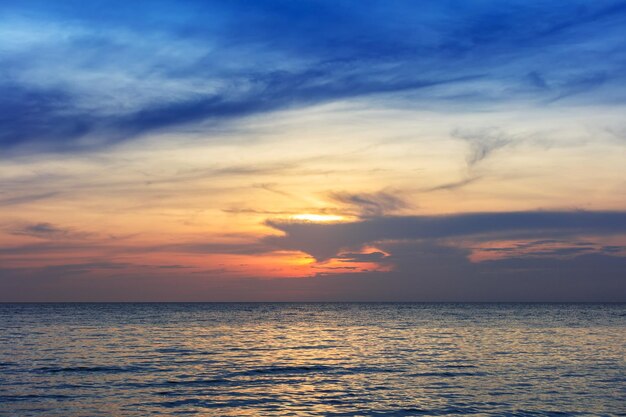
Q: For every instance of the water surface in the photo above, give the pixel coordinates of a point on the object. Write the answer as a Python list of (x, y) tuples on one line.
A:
[(312, 359)]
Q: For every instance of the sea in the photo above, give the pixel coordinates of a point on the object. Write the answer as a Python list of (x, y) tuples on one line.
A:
[(312, 359)]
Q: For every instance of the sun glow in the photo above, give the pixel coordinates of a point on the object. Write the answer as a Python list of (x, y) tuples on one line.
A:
[(318, 217)]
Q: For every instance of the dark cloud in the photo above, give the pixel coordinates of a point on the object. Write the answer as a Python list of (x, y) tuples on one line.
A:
[(29, 113), (425, 267), (44, 247), (553, 248), (431, 272), (423, 272), (83, 269), (173, 266), (268, 92), (45, 231), (86, 267), (324, 241), (52, 121), (375, 256)]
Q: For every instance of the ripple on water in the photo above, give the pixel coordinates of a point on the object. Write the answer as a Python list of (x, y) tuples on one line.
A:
[(90, 369), (135, 360)]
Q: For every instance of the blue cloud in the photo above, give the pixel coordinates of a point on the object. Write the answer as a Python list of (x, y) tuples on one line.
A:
[(112, 70)]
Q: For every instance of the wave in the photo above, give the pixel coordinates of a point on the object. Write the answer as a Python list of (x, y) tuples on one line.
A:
[(181, 351), (31, 397), (273, 370), (196, 382), (447, 374), (203, 403), (88, 369)]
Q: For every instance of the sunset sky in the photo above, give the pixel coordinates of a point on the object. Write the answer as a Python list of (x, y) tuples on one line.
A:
[(311, 150)]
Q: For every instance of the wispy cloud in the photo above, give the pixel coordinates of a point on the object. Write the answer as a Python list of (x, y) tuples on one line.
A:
[(371, 204), (45, 231), (26, 198), (482, 143), (455, 184), (141, 77)]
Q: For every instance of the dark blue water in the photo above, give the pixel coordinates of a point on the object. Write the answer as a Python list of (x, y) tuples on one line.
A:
[(312, 359)]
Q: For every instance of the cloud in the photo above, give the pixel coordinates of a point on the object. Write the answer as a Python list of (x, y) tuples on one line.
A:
[(552, 248), (72, 81), (429, 271), (41, 230), (267, 92), (236, 210), (86, 267), (483, 143), (244, 248), (425, 266), (537, 80), (375, 256), (581, 84), (454, 185), (424, 272), (54, 120), (371, 204), (25, 199), (324, 241), (30, 112)]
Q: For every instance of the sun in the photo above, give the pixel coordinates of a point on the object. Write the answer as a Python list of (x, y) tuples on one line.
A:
[(317, 217)]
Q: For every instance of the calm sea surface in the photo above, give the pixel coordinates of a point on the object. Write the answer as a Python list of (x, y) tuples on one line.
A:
[(312, 359)]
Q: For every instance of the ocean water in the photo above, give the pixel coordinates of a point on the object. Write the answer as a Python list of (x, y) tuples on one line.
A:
[(312, 359)]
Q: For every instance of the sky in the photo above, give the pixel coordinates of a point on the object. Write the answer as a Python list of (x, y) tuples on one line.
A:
[(431, 150)]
